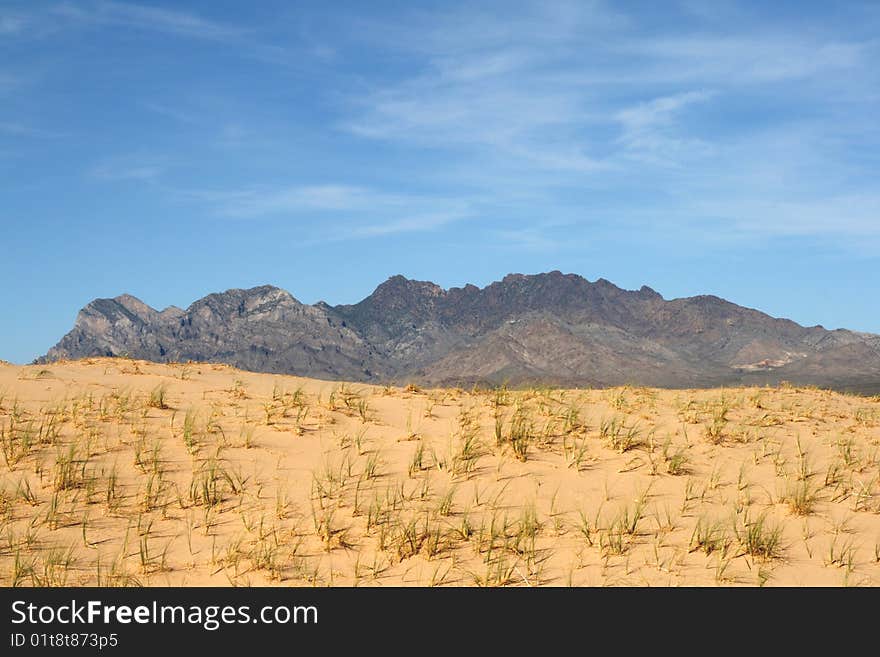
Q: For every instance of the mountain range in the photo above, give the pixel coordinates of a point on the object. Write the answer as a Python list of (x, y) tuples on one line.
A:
[(551, 328)]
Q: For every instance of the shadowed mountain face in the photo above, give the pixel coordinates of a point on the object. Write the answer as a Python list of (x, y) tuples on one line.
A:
[(549, 328)]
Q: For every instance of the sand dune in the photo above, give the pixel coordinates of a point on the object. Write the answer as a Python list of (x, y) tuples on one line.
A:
[(120, 472)]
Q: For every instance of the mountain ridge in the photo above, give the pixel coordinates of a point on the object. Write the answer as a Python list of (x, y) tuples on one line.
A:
[(548, 328)]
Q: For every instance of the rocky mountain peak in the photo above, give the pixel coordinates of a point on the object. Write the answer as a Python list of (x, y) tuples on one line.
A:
[(122, 308), (399, 288), (649, 293), (526, 328)]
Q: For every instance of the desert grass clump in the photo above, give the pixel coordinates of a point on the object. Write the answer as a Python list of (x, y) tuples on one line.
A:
[(498, 415), (867, 417), (589, 527), (417, 461), (801, 497), (148, 458), (520, 434), (112, 490), (758, 537), (444, 506), (49, 432), (841, 554), (270, 410), (575, 452), (499, 571), (158, 397), (715, 432), (190, 437), (327, 529), (618, 399), (246, 435), (24, 492), (621, 437), (470, 448), (849, 452), (526, 532), (70, 469), (57, 563), (612, 540), (154, 492), (865, 498), (151, 560), (24, 567), (676, 460), (571, 419), (372, 465), (363, 410), (212, 482), (616, 538), (329, 479), (16, 442), (710, 536), (411, 431)]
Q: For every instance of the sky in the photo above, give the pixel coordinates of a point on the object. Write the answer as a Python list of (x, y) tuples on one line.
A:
[(172, 149)]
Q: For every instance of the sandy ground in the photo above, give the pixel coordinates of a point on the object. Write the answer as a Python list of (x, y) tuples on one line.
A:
[(120, 472)]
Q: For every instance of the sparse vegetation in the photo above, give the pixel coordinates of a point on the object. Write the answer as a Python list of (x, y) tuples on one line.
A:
[(158, 396), (108, 484)]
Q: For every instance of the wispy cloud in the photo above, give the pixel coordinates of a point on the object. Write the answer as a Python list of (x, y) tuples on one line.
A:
[(658, 111), (743, 59), (356, 211), (530, 239), (649, 134), (528, 111), (174, 23), (145, 17), (488, 85), (410, 224), (839, 215), (265, 201), (548, 103), (136, 167)]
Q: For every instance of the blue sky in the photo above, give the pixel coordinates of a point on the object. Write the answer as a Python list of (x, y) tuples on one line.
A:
[(173, 149)]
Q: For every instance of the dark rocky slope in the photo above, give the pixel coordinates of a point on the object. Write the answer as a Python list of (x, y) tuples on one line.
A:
[(546, 328)]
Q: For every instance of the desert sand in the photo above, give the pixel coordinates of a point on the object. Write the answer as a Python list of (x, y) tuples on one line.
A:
[(121, 472)]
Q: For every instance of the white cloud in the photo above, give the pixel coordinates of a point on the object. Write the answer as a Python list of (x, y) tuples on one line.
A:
[(649, 132), (843, 215), (143, 167), (409, 224), (537, 110), (529, 239), (747, 59), (258, 201), (487, 82), (145, 17), (659, 110), (357, 212)]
